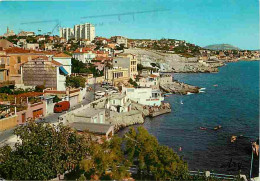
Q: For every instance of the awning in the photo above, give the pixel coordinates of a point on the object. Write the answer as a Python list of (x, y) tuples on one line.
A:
[(63, 70)]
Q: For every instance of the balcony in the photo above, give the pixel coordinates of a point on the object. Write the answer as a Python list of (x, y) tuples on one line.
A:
[(2, 66)]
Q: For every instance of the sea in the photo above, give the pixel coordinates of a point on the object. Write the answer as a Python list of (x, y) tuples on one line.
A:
[(229, 98)]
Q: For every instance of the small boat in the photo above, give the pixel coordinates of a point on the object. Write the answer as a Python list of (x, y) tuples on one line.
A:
[(217, 127), (203, 128), (233, 139), (215, 85), (181, 102)]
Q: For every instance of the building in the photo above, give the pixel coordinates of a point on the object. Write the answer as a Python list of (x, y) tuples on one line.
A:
[(100, 130), (31, 46), (119, 40), (67, 33), (81, 31), (4, 71), (9, 33), (145, 96), (128, 61), (65, 60), (90, 115), (44, 71), (84, 55), (117, 75), (149, 81), (17, 56), (26, 33), (4, 44), (118, 103)]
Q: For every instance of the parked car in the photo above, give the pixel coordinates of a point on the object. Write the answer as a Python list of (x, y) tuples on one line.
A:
[(61, 106), (100, 93)]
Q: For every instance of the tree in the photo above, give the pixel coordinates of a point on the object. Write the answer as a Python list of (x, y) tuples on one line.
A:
[(44, 152), (152, 159), (39, 88), (132, 82), (56, 99), (76, 82), (106, 161)]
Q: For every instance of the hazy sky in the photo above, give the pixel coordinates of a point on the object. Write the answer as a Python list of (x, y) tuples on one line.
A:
[(202, 22)]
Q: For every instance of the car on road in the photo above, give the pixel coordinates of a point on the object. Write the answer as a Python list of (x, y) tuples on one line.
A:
[(61, 106), (99, 93)]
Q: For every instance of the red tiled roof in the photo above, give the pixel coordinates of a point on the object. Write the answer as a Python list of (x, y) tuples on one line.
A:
[(152, 75), (62, 55), (41, 58), (84, 50)]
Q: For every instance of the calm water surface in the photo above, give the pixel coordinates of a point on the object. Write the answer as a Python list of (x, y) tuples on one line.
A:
[(233, 104)]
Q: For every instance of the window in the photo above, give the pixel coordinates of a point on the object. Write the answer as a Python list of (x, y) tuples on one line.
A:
[(19, 71), (8, 61), (2, 61), (18, 59)]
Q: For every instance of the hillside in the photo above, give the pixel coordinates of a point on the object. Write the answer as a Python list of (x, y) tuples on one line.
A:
[(222, 47)]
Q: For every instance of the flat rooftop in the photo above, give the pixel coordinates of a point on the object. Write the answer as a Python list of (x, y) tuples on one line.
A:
[(92, 127), (89, 112)]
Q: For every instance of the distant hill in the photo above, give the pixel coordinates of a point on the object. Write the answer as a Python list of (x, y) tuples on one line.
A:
[(221, 47)]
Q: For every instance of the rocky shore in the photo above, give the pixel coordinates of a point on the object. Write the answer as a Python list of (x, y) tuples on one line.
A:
[(179, 88), (136, 115)]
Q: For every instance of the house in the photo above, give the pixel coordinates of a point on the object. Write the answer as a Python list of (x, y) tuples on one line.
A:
[(119, 40), (90, 115), (151, 80), (26, 33), (65, 60), (118, 103), (105, 131), (21, 42), (4, 44), (48, 46), (44, 71), (73, 95), (31, 46), (125, 60), (145, 96), (84, 55), (17, 56), (116, 75), (4, 72)]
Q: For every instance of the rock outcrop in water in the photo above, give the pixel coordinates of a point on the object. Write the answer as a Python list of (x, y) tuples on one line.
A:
[(179, 88)]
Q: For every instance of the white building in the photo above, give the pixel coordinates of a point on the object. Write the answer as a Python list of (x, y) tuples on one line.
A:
[(118, 103), (81, 31), (65, 60), (145, 96), (84, 55), (149, 81), (31, 46), (67, 33)]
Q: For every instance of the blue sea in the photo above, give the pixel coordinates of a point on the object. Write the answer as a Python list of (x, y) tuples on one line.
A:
[(231, 99)]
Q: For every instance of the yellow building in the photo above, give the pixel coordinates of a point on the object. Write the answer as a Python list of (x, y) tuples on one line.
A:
[(116, 75), (126, 60)]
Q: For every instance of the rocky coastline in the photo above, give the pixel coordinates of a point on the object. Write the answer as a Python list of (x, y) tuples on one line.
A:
[(177, 87)]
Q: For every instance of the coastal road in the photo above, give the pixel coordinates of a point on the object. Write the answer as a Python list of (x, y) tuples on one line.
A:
[(53, 118)]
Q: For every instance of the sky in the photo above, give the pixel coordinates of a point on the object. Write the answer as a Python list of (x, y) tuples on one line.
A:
[(202, 22)]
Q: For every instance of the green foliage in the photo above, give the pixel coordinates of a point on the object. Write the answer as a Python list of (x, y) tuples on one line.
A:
[(106, 161), (76, 82), (132, 82), (44, 152), (39, 88), (80, 67), (56, 99), (154, 161), (140, 67)]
